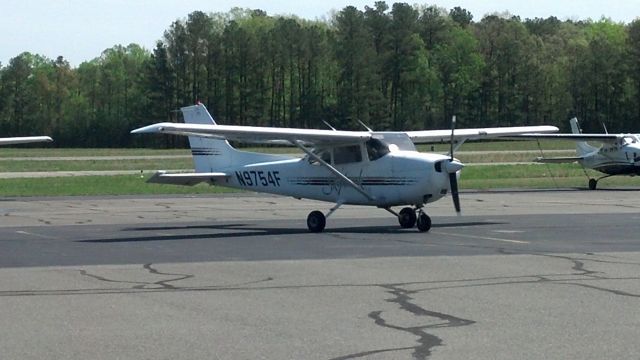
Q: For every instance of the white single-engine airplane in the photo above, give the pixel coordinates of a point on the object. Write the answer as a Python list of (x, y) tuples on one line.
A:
[(618, 155), (381, 169), (24, 140)]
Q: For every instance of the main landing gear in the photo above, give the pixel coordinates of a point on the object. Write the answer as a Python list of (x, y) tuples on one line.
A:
[(408, 218), (594, 182), (316, 221)]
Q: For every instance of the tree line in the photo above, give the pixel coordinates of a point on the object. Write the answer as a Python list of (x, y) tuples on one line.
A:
[(394, 68)]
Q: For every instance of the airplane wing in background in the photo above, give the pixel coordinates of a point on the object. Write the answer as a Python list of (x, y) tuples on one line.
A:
[(436, 136), (188, 179), (24, 140)]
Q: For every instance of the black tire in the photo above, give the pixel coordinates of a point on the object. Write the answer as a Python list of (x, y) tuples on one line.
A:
[(424, 222), (316, 221), (407, 218), (592, 184)]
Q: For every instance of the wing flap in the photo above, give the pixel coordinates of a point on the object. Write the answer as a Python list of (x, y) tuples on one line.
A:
[(187, 179)]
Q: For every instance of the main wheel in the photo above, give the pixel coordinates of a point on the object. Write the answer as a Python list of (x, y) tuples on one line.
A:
[(424, 222), (316, 221), (592, 184), (407, 218)]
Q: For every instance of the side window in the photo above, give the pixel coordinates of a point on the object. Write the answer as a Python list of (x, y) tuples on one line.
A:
[(325, 155), (347, 154)]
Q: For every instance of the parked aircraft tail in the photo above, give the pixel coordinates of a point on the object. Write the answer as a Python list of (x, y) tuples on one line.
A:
[(209, 154), (582, 147)]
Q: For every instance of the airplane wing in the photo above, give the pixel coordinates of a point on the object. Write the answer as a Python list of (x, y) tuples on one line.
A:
[(608, 138), (435, 136), (189, 179), (256, 134), (24, 140), (558, 160)]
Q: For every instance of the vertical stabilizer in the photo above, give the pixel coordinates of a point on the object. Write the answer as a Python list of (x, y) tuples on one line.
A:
[(582, 148), (209, 155)]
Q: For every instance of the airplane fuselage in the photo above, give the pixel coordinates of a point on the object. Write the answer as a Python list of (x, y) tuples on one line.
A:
[(398, 178), (614, 159)]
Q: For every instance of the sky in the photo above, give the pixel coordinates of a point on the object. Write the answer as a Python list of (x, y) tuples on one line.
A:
[(80, 30)]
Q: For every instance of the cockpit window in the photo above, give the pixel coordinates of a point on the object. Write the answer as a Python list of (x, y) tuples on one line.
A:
[(399, 139), (376, 149), (347, 154)]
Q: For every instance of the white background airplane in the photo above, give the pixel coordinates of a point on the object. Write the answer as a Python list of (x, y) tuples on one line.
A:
[(381, 169), (619, 154), (24, 140)]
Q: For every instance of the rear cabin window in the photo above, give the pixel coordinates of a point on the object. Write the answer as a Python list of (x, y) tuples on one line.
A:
[(347, 154), (323, 154)]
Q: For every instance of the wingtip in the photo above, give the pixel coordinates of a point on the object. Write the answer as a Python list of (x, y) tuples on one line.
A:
[(147, 129)]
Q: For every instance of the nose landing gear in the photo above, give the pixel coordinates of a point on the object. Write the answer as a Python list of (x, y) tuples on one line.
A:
[(424, 221)]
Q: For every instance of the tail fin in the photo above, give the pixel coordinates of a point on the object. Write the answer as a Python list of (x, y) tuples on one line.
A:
[(209, 155), (582, 148)]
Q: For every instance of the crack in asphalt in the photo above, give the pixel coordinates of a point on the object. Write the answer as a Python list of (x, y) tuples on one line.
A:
[(426, 341), (400, 293), (160, 284)]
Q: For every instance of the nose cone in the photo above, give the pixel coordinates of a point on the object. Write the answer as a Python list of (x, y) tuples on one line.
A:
[(454, 166)]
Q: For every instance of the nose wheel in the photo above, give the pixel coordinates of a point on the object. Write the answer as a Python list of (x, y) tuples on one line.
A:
[(423, 221)]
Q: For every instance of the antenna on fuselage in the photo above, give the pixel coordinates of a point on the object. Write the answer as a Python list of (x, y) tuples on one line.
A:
[(329, 125), (364, 125), (605, 128)]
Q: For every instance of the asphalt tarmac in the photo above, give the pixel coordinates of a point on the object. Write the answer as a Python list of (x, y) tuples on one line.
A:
[(522, 274)]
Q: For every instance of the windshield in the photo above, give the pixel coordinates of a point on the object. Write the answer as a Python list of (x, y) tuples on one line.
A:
[(400, 139), (376, 149)]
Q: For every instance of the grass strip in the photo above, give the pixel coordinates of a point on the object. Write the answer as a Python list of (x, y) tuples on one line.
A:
[(480, 177)]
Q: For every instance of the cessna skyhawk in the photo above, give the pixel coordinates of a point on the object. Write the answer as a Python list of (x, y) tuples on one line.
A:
[(381, 169), (619, 154)]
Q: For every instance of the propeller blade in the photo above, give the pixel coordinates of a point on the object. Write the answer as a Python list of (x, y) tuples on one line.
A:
[(453, 180)]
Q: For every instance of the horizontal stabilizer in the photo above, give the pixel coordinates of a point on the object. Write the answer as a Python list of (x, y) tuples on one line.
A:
[(558, 160), (188, 179)]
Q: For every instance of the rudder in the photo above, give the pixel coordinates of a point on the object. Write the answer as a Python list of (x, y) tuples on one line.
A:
[(209, 155), (582, 148)]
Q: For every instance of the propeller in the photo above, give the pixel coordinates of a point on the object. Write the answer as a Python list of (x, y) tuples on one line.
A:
[(452, 168)]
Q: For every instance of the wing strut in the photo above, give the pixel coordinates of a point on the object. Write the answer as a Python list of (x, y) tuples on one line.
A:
[(335, 171)]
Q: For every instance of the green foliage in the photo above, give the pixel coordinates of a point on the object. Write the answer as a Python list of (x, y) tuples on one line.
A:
[(394, 67)]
